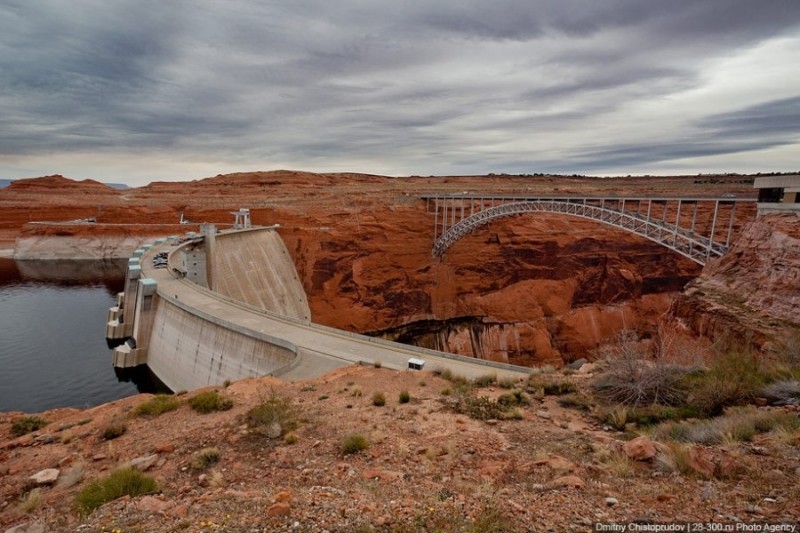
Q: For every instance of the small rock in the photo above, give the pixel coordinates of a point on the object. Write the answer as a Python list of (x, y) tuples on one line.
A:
[(588, 368), (48, 476), (275, 430), (577, 364), (143, 463), (760, 402), (543, 414), (151, 504), (753, 509), (279, 509), (181, 511), (29, 527), (569, 481), (640, 449), (611, 502), (284, 496), (164, 447), (99, 457), (774, 475)]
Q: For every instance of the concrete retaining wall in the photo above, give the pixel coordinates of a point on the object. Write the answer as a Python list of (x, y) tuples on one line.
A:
[(188, 350)]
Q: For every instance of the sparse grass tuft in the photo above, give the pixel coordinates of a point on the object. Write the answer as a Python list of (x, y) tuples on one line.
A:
[(125, 481), (737, 425), (274, 416), (114, 429), (30, 501), (27, 424), (205, 458), (486, 380), (379, 399), (158, 404), (210, 401), (405, 397), (551, 387), (290, 438), (354, 443)]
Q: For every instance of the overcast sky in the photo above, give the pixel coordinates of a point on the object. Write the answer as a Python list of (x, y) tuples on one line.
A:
[(142, 90)]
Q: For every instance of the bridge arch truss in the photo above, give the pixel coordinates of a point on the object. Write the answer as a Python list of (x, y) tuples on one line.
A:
[(697, 228)]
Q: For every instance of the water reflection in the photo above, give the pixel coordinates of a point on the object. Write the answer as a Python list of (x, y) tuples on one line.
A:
[(53, 351)]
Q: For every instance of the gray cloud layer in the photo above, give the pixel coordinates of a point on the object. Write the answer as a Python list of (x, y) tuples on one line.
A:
[(405, 87)]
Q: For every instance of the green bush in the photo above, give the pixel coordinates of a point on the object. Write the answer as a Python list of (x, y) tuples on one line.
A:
[(354, 443), (158, 404), (378, 399), (205, 458), (274, 416), (126, 481), (116, 428), (210, 401), (405, 397), (733, 379), (26, 424)]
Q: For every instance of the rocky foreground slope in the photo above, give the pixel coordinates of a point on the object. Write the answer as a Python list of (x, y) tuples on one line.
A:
[(425, 468)]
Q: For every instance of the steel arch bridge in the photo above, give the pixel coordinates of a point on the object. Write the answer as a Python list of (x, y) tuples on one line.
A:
[(697, 228)]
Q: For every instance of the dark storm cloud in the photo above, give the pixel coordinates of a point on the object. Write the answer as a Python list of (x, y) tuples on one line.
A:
[(417, 87)]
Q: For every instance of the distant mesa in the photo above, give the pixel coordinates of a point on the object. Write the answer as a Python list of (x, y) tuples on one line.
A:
[(57, 181)]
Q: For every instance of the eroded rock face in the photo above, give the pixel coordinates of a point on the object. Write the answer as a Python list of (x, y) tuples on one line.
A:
[(752, 294), (527, 290)]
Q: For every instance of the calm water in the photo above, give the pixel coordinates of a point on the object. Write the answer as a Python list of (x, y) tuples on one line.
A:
[(53, 351)]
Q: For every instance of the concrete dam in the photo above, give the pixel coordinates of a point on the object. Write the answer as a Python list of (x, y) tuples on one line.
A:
[(206, 308)]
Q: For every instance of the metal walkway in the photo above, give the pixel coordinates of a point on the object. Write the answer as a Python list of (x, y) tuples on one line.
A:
[(698, 228)]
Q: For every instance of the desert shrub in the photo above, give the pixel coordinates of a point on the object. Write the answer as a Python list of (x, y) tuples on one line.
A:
[(492, 519), (354, 443), (634, 377), (405, 397), (30, 501), (290, 438), (114, 429), (578, 401), (507, 383), (379, 399), (483, 408), (273, 416), (125, 481), (27, 424), (486, 380), (210, 401), (205, 458), (551, 387), (158, 404), (513, 399), (734, 378)]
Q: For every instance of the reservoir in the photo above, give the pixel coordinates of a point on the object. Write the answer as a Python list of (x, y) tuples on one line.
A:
[(53, 351)]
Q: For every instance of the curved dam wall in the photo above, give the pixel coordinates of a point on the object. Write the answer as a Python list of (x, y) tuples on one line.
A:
[(255, 322), (187, 346), (254, 267)]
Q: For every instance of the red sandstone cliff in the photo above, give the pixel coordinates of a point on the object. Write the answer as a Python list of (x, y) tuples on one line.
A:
[(751, 294), (534, 288)]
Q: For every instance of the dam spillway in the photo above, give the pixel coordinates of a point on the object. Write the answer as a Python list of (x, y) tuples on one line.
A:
[(212, 307)]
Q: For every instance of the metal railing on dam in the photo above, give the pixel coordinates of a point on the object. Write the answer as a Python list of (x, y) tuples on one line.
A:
[(697, 228), (192, 336)]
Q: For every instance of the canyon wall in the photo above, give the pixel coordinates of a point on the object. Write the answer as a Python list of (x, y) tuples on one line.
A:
[(752, 294), (532, 289)]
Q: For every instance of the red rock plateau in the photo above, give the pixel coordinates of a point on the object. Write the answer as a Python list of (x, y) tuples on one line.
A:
[(530, 289)]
